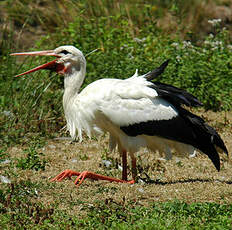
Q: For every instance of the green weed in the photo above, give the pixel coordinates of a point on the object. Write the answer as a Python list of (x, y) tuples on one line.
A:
[(19, 211), (17, 208), (3, 155), (32, 160)]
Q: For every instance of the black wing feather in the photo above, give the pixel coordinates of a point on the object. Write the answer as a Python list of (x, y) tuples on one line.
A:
[(186, 128), (175, 95), (207, 137), (156, 72)]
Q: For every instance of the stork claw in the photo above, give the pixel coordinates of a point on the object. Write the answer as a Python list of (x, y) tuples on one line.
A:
[(66, 173), (86, 174)]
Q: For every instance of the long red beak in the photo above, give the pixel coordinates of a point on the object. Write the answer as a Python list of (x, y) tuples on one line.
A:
[(53, 65)]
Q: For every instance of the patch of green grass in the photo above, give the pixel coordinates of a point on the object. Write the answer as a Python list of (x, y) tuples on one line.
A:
[(3, 155), (32, 160), (83, 157), (171, 215), (19, 210)]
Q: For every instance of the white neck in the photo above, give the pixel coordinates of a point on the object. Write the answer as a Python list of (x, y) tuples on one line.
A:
[(73, 81)]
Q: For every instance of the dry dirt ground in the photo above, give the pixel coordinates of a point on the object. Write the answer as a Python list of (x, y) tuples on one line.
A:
[(185, 179)]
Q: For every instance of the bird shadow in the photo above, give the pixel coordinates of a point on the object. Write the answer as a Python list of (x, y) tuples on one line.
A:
[(183, 181)]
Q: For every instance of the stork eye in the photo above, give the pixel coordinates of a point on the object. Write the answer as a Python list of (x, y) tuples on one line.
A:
[(64, 52)]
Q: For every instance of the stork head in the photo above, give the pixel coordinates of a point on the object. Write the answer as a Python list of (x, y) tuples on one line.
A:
[(68, 60)]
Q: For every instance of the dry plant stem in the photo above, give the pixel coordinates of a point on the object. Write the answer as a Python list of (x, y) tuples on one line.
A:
[(86, 174)]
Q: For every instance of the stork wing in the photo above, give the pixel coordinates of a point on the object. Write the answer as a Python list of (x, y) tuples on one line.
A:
[(128, 102)]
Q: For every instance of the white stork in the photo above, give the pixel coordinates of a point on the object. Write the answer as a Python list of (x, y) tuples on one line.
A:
[(136, 112)]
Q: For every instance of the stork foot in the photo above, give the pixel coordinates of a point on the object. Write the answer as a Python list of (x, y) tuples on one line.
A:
[(86, 174), (66, 173)]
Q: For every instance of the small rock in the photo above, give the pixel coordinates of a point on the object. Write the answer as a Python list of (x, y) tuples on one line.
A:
[(140, 181), (193, 154), (106, 163), (8, 114), (4, 179), (52, 146), (74, 160), (6, 161), (178, 160), (141, 190)]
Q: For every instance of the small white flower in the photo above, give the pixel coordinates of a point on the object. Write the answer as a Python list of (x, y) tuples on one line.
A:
[(187, 44), (139, 40), (175, 44), (215, 22), (211, 35), (218, 43), (214, 44), (131, 56), (207, 42), (204, 51), (124, 46), (214, 48)]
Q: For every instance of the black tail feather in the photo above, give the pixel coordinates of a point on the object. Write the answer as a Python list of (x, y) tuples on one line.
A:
[(156, 72), (206, 137), (213, 155), (216, 139)]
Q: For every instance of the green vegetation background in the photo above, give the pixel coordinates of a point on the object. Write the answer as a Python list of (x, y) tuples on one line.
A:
[(126, 35)]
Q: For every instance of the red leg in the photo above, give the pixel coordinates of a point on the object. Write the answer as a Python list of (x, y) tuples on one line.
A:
[(86, 174), (124, 165), (134, 168)]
